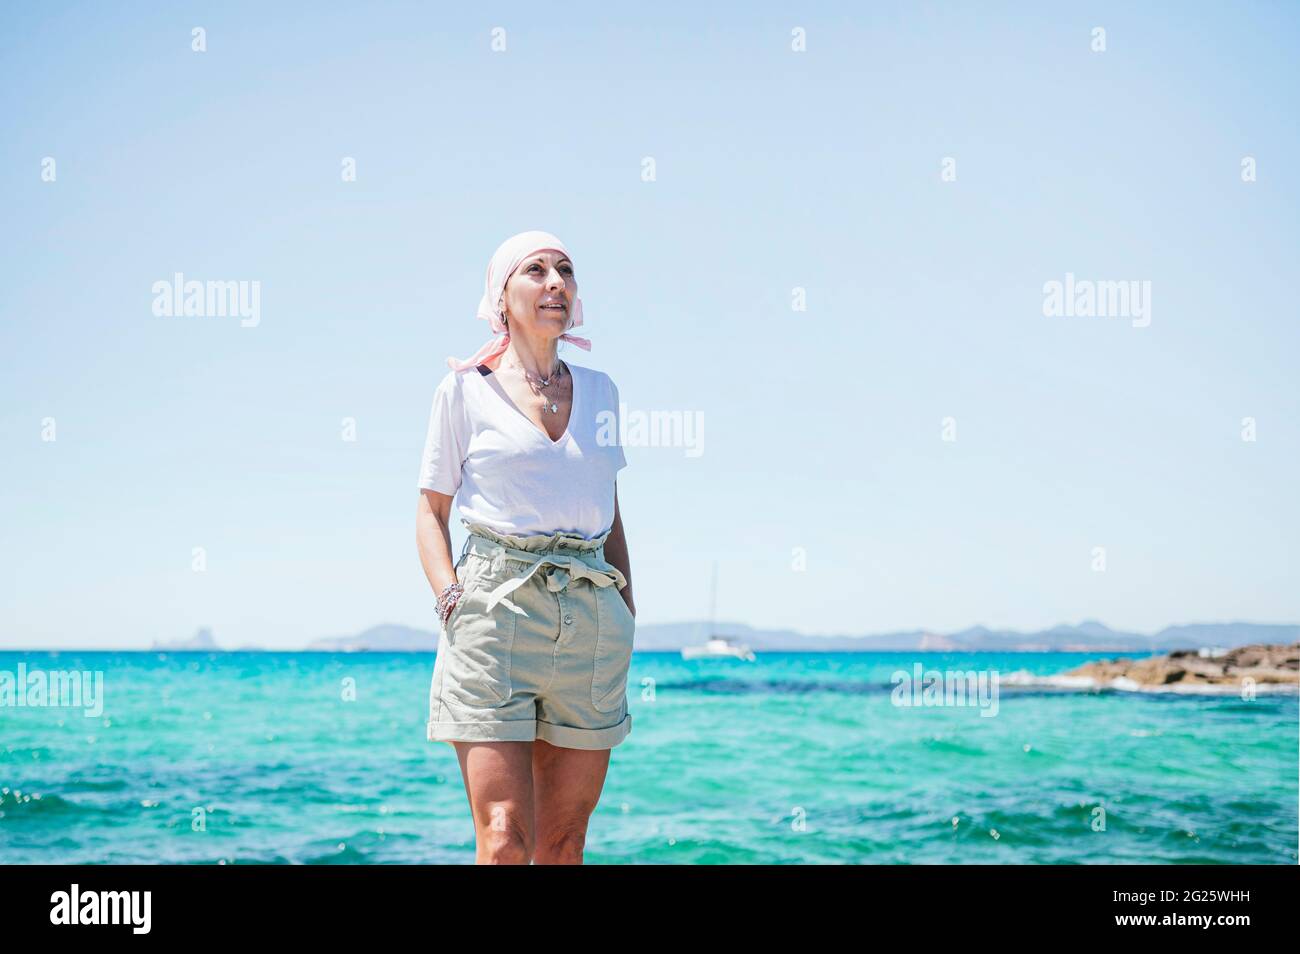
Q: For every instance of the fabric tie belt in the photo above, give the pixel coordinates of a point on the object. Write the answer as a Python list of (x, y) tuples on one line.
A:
[(562, 569)]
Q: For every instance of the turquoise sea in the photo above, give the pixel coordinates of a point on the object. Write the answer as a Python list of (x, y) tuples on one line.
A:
[(796, 758)]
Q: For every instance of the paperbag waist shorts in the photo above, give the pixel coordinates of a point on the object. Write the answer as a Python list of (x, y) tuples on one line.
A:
[(537, 647)]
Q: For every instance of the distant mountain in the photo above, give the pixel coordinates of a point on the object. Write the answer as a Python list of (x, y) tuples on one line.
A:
[(1086, 636), (201, 641), (385, 638), (1227, 635)]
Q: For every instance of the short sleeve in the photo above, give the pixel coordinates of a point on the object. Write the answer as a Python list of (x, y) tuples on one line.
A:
[(618, 431), (447, 439)]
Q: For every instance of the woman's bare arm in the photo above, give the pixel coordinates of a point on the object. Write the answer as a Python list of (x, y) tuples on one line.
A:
[(616, 553), (433, 539)]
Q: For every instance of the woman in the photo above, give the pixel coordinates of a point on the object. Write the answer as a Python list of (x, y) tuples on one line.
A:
[(529, 683)]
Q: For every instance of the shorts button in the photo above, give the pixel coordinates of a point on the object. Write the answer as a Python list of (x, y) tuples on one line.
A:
[(568, 621)]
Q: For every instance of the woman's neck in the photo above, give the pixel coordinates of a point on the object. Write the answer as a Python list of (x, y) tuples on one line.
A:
[(539, 358)]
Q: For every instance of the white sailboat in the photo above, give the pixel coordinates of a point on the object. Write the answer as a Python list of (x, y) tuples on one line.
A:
[(717, 647)]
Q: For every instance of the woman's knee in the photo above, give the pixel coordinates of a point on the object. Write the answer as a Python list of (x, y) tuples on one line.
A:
[(506, 839), (562, 843)]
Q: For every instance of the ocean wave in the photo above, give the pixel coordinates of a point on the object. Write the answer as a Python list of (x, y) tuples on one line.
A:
[(17, 804)]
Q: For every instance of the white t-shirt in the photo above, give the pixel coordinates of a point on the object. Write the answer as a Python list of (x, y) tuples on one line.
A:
[(506, 473)]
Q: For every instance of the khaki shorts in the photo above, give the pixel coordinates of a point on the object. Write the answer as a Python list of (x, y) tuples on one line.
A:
[(537, 647)]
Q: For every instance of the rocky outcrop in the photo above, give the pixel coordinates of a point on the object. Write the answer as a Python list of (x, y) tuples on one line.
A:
[(1188, 667)]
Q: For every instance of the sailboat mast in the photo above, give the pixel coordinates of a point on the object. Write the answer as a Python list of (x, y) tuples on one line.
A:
[(713, 600)]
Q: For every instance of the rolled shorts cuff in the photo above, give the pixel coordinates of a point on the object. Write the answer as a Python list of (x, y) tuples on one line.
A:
[(529, 730), (515, 730), (569, 737)]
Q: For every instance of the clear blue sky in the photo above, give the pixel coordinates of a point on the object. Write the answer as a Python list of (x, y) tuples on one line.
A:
[(775, 170)]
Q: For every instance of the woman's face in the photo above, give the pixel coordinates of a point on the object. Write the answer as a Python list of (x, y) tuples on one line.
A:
[(539, 295)]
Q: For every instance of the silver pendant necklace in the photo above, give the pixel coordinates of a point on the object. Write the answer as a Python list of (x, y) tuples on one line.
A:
[(544, 382)]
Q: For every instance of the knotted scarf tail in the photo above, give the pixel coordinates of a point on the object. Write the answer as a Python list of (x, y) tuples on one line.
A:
[(489, 350), (495, 346)]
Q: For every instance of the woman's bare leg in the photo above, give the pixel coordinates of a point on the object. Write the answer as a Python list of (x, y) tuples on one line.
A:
[(499, 783), (567, 785)]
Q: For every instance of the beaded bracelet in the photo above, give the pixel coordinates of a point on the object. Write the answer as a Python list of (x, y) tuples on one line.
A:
[(447, 600)]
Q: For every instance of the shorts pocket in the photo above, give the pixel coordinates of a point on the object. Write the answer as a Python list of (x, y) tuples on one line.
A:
[(615, 626), (480, 643)]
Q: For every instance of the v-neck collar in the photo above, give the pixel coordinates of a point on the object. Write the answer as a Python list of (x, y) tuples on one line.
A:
[(533, 425)]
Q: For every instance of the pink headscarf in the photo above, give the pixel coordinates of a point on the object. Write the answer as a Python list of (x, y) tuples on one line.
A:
[(505, 260)]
